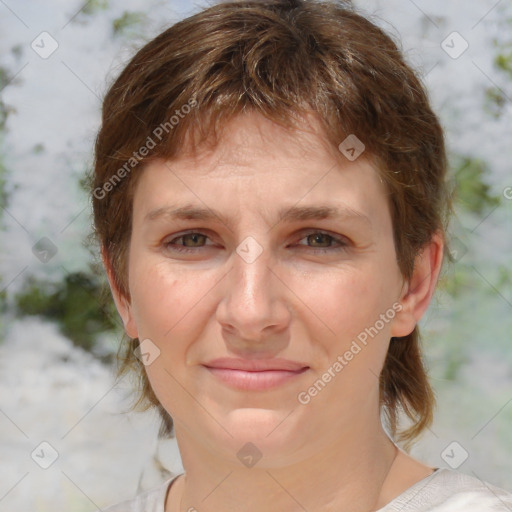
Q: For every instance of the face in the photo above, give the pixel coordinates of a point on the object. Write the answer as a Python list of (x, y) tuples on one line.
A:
[(271, 247)]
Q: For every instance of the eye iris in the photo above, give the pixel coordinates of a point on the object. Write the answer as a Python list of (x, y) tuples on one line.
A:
[(318, 237), (194, 237)]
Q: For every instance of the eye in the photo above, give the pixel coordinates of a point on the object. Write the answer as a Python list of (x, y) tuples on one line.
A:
[(189, 242), (321, 237), (192, 241)]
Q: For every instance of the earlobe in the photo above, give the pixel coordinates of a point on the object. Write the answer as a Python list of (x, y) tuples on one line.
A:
[(123, 306), (418, 291)]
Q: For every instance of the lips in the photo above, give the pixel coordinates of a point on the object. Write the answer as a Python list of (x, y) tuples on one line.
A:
[(255, 365), (255, 374)]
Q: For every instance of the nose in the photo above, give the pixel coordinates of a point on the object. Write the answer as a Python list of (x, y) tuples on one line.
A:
[(254, 311)]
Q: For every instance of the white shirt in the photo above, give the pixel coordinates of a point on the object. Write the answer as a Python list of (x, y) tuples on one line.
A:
[(445, 490)]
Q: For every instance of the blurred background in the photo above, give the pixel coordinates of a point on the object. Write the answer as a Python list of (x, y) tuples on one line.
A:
[(58, 339)]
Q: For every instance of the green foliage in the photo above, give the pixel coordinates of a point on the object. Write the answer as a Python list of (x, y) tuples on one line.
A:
[(17, 51), (3, 178), (472, 193), (3, 303), (85, 181), (457, 282), (495, 97), (129, 24), (495, 100), (453, 364), (93, 6), (3, 181), (504, 278), (73, 303), (4, 79), (503, 61)]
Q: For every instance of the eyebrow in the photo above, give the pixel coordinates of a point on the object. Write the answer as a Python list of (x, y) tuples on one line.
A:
[(287, 214)]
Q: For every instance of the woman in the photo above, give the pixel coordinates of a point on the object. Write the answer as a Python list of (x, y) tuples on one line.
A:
[(269, 196)]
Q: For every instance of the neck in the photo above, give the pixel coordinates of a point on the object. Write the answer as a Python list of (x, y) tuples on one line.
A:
[(349, 474)]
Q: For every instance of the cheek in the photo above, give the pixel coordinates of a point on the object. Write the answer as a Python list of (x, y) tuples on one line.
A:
[(351, 352), (346, 302), (169, 309), (349, 304), (166, 300)]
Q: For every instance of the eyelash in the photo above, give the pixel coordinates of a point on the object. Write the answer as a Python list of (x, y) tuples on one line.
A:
[(181, 249)]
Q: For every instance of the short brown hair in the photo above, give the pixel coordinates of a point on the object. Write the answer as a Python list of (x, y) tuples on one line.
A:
[(283, 59)]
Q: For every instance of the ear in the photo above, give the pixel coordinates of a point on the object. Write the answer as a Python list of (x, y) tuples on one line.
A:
[(123, 305), (417, 292)]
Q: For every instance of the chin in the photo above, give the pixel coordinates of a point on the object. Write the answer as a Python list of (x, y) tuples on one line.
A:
[(256, 422), (260, 433)]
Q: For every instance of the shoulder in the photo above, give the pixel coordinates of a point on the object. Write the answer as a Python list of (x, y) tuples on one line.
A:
[(152, 500), (448, 490)]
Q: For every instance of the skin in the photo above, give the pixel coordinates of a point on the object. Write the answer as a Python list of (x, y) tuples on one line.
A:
[(293, 301)]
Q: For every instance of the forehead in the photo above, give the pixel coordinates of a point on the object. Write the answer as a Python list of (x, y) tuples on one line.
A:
[(251, 136), (259, 164)]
